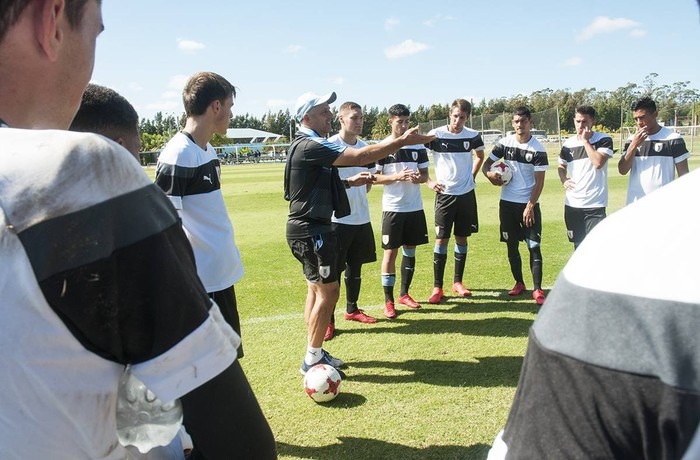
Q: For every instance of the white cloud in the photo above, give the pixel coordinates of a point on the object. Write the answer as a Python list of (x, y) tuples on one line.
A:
[(391, 23), (638, 33), (405, 48), (437, 18), (294, 49), (189, 46), (573, 62), (338, 80), (177, 83), (606, 25)]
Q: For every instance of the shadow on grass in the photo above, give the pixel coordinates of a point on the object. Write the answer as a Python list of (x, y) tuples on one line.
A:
[(489, 327), (345, 400), (365, 448), (492, 371)]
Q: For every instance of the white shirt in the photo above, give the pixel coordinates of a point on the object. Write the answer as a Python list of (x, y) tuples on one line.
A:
[(357, 196)]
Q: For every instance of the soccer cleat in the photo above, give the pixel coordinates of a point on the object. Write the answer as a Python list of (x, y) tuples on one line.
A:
[(409, 302), (389, 310), (459, 288), (330, 332), (335, 362), (518, 289), (361, 316), (325, 359), (436, 296), (538, 295)]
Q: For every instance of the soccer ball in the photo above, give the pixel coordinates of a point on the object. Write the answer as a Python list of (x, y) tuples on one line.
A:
[(503, 170), (322, 383)]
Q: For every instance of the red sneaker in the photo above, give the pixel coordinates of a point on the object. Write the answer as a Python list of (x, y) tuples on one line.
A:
[(408, 301), (518, 289), (459, 288), (330, 332), (359, 315), (389, 310), (436, 296), (538, 295)]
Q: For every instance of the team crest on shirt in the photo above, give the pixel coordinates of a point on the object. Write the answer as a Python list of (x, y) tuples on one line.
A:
[(658, 147), (414, 154), (528, 157), (467, 144), (324, 271)]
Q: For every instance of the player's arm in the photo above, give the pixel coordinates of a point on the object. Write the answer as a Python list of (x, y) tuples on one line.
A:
[(225, 421), (477, 162), (405, 175), (597, 158), (565, 181), (625, 163), (682, 168), (422, 176), (371, 153), (435, 186), (529, 213), (494, 178)]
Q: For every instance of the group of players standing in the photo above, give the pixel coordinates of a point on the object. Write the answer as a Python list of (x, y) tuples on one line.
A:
[(331, 232)]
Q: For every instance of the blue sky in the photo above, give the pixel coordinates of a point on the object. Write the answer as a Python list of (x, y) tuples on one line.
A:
[(379, 53)]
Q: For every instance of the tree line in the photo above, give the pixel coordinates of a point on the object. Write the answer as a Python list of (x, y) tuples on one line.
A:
[(675, 101)]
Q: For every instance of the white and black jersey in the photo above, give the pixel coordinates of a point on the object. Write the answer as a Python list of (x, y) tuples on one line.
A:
[(190, 178), (654, 162), (96, 273), (612, 368), (590, 183), (453, 158), (403, 196), (356, 195), (524, 160), (311, 185)]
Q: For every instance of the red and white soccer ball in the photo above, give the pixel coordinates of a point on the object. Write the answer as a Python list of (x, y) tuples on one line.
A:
[(322, 383), (503, 170)]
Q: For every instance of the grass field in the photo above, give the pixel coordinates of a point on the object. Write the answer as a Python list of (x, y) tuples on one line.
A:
[(435, 383)]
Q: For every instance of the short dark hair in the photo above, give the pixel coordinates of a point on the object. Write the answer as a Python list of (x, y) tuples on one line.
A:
[(202, 89), (349, 105), (645, 103), (463, 105), (104, 111), (586, 110), (399, 110), (522, 111), (11, 10)]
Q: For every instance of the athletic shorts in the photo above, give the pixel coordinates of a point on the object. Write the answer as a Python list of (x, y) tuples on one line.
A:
[(512, 225), (457, 210), (403, 229), (318, 256), (580, 221), (226, 300), (355, 244)]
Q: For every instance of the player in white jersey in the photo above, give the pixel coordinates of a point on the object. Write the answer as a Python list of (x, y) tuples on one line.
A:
[(403, 219), (519, 210), (651, 153), (455, 199), (354, 232), (583, 172)]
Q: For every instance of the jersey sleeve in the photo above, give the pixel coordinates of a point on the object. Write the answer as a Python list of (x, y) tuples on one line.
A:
[(540, 161), (498, 152), (679, 150), (478, 143), (565, 156), (321, 152), (423, 160), (605, 146)]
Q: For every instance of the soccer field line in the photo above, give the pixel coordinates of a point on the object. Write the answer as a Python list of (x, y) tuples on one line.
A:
[(372, 308)]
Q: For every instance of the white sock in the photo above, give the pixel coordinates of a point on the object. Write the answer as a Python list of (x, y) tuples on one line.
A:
[(313, 355)]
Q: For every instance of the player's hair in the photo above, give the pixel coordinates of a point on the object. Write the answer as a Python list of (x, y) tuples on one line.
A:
[(645, 103), (11, 10), (586, 110), (202, 89), (463, 106), (349, 105), (522, 111), (399, 110), (104, 111)]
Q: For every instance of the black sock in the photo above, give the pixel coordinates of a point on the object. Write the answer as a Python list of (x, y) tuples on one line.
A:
[(536, 267), (460, 262), (408, 265), (439, 262), (516, 263), (353, 282)]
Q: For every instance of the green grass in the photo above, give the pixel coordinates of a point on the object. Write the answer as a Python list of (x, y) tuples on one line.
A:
[(435, 383)]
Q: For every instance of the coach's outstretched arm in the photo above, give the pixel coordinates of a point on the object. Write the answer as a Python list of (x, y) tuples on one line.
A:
[(371, 153)]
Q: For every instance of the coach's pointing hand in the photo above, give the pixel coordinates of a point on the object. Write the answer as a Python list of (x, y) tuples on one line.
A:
[(412, 136)]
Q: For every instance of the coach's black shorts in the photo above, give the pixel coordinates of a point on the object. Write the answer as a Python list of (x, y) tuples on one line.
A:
[(580, 221), (355, 244), (459, 210), (318, 256), (512, 225), (403, 229)]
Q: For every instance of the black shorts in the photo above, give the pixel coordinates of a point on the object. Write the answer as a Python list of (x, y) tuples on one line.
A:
[(580, 221), (355, 244), (512, 225), (226, 300), (318, 256), (403, 229), (459, 210)]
